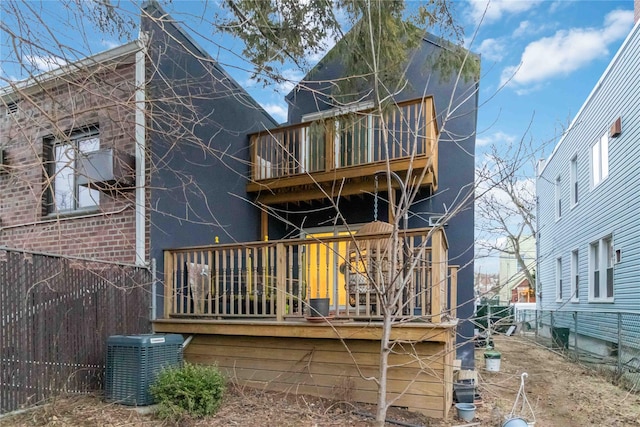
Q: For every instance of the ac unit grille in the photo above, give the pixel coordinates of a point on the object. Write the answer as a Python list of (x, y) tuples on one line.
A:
[(133, 363)]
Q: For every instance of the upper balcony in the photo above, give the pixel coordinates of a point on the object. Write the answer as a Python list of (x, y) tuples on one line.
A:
[(301, 162)]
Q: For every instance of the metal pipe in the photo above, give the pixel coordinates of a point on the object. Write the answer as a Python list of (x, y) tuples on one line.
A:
[(140, 150)]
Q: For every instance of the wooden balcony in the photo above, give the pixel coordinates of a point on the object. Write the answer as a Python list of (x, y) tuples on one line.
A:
[(276, 280), (246, 310), (304, 161)]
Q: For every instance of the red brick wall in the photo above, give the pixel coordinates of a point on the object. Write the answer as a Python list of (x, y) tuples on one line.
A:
[(102, 97)]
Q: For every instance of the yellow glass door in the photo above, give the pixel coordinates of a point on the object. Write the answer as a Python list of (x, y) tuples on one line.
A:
[(322, 263)]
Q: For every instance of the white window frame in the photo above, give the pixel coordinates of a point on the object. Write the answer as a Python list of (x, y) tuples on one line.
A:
[(558, 197), (600, 160), (573, 166), (601, 265), (559, 279), (575, 275)]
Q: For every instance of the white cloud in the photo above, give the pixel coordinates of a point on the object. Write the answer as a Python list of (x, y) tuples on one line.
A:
[(566, 51), (44, 63), (277, 111), (290, 77), (492, 49), (109, 44), (497, 138), (523, 28), (496, 9)]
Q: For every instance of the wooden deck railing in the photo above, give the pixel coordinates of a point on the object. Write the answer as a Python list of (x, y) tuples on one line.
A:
[(277, 279), (353, 145)]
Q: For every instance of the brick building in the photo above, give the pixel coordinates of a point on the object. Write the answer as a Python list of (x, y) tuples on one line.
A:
[(48, 124), (123, 154)]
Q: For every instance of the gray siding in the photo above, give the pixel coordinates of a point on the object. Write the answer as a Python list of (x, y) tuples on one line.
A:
[(455, 166), (199, 145), (612, 207)]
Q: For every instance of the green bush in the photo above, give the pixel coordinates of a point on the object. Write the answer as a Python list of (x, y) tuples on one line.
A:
[(190, 390)]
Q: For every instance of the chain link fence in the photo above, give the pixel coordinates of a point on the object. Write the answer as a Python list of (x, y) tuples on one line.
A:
[(606, 341)]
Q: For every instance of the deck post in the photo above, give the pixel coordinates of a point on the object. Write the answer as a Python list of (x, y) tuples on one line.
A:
[(437, 276), (168, 282), (453, 292), (281, 282)]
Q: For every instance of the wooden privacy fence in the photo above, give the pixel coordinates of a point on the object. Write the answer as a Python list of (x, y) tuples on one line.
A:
[(56, 315), (278, 279)]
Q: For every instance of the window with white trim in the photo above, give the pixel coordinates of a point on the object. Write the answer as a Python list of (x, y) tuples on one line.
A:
[(559, 279), (600, 160), (601, 269), (574, 180), (64, 193), (575, 276), (558, 203)]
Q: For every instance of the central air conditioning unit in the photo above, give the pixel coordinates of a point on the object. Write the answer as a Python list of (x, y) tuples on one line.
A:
[(133, 364)]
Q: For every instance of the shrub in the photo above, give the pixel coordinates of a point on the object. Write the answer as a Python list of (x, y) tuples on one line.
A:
[(190, 390)]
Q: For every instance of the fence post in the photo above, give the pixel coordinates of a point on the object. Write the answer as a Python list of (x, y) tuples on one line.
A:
[(575, 334), (619, 344)]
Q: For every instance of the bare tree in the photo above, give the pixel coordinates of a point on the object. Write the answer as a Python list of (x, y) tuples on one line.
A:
[(506, 201), (380, 42)]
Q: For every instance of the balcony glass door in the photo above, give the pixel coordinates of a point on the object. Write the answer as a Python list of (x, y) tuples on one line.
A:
[(353, 140)]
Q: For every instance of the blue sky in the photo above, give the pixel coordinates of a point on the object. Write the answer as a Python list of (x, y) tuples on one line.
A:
[(552, 52), (540, 59)]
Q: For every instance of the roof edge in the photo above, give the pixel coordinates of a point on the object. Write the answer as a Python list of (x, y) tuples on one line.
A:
[(153, 4), (47, 76), (596, 88)]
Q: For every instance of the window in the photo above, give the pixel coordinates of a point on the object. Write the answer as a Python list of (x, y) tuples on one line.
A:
[(575, 277), (574, 180), (559, 279), (558, 199), (65, 195), (601, 269), (600, 160)]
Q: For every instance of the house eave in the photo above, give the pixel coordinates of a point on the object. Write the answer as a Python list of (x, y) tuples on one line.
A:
[(47, 79)]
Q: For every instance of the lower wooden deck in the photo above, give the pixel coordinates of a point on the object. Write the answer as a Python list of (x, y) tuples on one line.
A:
[(329, 359)]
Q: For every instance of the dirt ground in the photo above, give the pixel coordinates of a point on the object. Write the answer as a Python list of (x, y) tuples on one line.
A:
[(560, 393)]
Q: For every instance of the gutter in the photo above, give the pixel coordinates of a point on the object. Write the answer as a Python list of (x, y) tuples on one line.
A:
[(140, 150)]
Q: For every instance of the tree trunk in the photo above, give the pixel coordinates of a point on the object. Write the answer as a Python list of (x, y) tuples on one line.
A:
[(381, 410)]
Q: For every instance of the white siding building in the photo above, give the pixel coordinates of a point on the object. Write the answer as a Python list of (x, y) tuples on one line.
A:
[(589, 206)]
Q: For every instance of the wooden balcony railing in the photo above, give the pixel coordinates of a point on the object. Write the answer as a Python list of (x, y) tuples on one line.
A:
[(295, 162), (277, 279)]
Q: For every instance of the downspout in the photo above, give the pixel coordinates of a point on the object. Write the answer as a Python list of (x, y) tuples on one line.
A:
[(140, 151)]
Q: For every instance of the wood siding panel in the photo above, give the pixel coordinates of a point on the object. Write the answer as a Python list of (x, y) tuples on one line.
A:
[(323, 367), (611, 208)]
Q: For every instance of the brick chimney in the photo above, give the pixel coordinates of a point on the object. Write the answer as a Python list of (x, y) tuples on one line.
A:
[(636, 11)]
